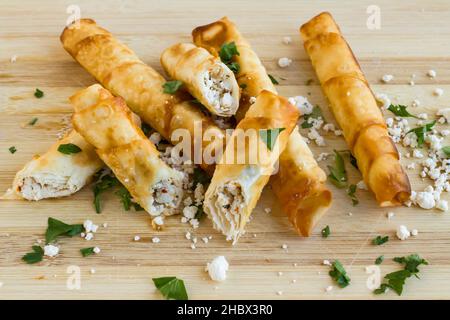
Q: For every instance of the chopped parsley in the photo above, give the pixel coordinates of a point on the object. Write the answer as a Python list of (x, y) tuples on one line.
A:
[(269, 136), (226, 54), (400, 111), (353, 161), (338, 274), (326, 232), (58, 228), (126, 199), (379, 240), (103, 183), (171, 288), (38, 93), (446, 150), (87, 251), (315, 114), (35, 256), (420, 132), (69, 148), (272, 78), (351, 192), (12, 149), (396, 280), (33, 121), (172, 86), (338, 175), (200, 213), (379, 260)]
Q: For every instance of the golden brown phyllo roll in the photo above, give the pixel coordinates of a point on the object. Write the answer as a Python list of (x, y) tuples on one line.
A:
[(356, 111), (135, 161), (247, 164), (300, 182), (118, 68), (209, 80)]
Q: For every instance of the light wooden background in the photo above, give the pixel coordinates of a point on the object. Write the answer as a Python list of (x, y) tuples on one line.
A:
[(413, 38)]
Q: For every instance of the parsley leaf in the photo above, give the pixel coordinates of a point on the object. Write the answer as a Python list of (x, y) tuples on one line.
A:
[(379, 260), (379, 240), (200, 213), (12, 149), (315, 114), (35, 256), (227, 51), (87, 251), (33, 121), (58, 228), (351, 190), (338, 175), (339, 274), (69, 148), (446, 150), (103, 183), (38, 93), (172, 86), (420, 132), (272, 78), (234, 66), (326, 232), (171, 288), (269, 136), (126, 199), (353, 161), (400, 111), (396, 280), (243, 86)]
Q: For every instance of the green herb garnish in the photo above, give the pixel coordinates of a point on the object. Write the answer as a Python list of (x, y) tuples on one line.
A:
[(172, 86), (126, 199), (200, 213), (326, 232), (58, 228), (379, 260), (353, 160), (338, 175), (400, 111), (420, 132), (446, 150), (351, 192), (339, 274), (396, 280), (171, 288), (379, 240), (69, 148), (315, 114), (226, 54), (269, 136), (12, 149), (234, 66), (87, 251), (272, 78), (33, 121), (243, 85), (33, 257), (103, 183), (38, 93)]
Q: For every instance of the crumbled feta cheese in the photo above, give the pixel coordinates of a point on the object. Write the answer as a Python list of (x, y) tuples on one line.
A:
[(422, 116), (252, 100), (329, 127), (287, 40), (13, 58), (384, 99), (416, 103), (284, 246), (403, 232), (390, 215), (194, 223), (302, 103), (417, 154), (425, 200), (188, 235), (323, 156), (92, 271), (137, 238), (280, 293), (445, 112), (190, 212), (89, 226), (267, 210), (284, 62), (387, 77), (159, 220), (326, 263), (51, 250), (96, 250), (105, 225), (89, 236), (155, 138), (361, 185), (431, 73), (442, 205), (156, 240), (329, 288), (438, 92), (414, 232)]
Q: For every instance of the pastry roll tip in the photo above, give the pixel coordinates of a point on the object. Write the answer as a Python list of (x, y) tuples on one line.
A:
[(355, 109), (300, 185), (209, 80), (120, 143), (236, 186)]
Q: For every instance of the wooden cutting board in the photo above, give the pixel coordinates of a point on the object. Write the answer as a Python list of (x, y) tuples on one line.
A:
[(413, 38)]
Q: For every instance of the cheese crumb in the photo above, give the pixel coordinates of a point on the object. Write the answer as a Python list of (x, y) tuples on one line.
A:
[(284, 62), (438, 92), (13, 59), (284, 246), (442, 205), (361, 185), (156, 240), (218, 268), (387, 78), (137, 238), (302, 104), (390, 215), (431, 73), (414, 232), (329, 288), (96, 250), (51, 250), (403, 232), (287, 40)]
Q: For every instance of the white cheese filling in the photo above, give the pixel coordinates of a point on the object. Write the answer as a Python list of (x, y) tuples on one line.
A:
[(218, 89)]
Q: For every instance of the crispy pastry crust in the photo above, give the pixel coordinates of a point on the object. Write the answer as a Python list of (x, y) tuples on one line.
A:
[(119, 70), (300, 183), (204, 76), (356, 111), (246, 179), (121, 144)]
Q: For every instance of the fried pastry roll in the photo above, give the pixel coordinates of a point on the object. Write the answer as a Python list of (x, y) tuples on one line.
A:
[(355, 109), (121, 144), (300, 183), (209, 80), (245, 168), (119, 70)]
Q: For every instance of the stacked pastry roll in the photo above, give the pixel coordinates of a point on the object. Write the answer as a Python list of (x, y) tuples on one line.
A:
[(108, 126), (356, 111), (119, 70), (209, 80), (245, 168), (300, 182)]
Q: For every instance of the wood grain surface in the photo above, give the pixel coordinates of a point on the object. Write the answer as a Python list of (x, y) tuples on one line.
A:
[(413, 38)]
